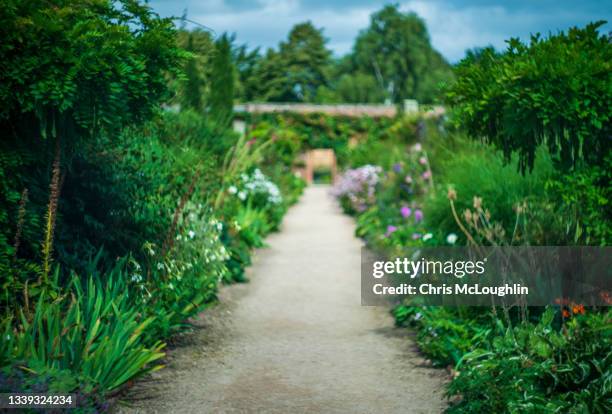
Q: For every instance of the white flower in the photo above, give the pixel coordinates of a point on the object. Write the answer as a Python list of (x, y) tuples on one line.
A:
[(427, 236), (242, 195), (232, 189), (160, 266), (451, 238), (191, 234)]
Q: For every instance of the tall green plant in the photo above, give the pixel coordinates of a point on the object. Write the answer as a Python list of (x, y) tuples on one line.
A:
[(92, 331), (221, 99), (553, 91)]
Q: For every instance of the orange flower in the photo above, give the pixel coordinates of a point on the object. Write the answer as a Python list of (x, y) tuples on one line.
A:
[(566, 314), (578, 309)]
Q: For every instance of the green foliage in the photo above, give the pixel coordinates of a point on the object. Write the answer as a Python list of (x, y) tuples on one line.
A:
[(90, 338), (73, 74), (95, 64), (294, 132), (297, 69), (391, 60), (193, 87), (246, 63), (221, 99), (534, 368), (553, 91), (353, 88), (396, 50), (473, 170), (445, 335), (584, 211)]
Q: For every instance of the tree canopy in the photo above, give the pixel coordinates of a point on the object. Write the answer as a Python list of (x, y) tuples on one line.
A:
[(295, 71), (391, 60), (396, 50)]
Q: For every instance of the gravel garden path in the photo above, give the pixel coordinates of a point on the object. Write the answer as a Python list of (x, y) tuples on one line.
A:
[(295, 339)]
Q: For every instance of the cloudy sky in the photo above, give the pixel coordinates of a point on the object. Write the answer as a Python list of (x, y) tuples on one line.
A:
[(454, 25)]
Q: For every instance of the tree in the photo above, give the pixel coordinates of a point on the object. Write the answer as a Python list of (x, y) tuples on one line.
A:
[(194, 83), (246, 63), (192, 87), (396, 50), (299, 67), (221, 97)]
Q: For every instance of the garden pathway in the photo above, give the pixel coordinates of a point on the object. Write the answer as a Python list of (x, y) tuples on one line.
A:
[(295, 339)]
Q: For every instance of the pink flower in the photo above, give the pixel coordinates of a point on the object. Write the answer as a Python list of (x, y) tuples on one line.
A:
[(418, 215), (390, 230), (405, 211), (416, 236), (426, 175), (423, 160), (251, 142)]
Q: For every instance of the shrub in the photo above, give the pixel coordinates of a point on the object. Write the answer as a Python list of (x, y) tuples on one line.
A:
[(553, 91), (534, 368)]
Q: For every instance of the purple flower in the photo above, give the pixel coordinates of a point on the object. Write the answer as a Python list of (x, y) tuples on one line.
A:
[(390, 230), (397, 167), (405, 211), (418, 215), (416, 236)]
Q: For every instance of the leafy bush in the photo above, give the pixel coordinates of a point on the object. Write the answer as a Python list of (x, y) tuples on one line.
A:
[(533, 368), (98, 65), (445, 335), (553, 91), (580, 204)]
